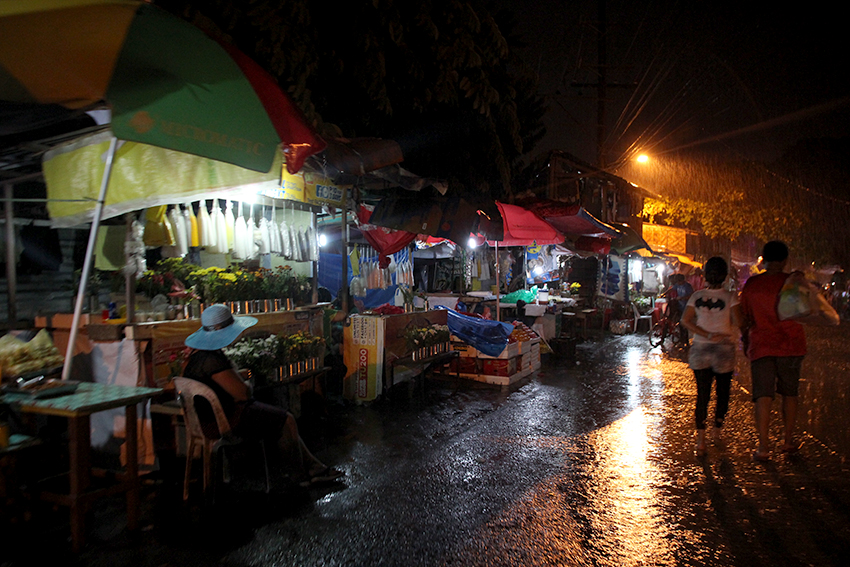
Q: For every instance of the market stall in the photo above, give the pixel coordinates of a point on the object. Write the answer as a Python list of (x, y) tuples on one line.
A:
[(374, 342)]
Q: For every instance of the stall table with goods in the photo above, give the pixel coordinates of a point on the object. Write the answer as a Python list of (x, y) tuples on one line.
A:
[(519, 358)]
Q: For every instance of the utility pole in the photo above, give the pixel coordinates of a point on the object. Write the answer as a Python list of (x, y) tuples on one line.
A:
[(602, 85), (602, 76)]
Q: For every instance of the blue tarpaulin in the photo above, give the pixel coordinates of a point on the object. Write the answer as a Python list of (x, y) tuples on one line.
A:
[(489, 337)]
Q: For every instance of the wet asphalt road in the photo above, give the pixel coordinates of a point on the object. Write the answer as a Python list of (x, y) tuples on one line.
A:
[(584, 464)]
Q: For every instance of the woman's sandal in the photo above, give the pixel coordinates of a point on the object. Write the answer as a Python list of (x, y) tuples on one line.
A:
[(700, 451), (790, 449), (761, 457)]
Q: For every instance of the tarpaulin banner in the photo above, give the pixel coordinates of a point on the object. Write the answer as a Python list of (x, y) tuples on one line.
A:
[(614, 278), (541, 264), (142, 176)]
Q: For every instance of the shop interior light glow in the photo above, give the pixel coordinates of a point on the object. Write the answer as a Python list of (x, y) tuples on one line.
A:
[(635, 269), (323, 240), (472, 243)]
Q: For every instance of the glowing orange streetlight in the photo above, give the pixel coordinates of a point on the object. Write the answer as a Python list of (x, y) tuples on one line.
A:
[(642, 158)]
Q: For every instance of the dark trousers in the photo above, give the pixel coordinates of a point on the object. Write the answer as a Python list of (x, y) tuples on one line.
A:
[(723, 383)]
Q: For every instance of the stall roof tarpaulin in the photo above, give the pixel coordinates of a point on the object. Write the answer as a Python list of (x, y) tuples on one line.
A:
[(629, 241), (454, 218), (571, 220), (168, 84), (524, 228)]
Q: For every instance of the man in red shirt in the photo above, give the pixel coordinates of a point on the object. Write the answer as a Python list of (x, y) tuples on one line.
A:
[(775, 348)]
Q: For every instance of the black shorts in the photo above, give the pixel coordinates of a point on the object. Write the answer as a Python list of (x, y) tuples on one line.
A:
[(775, 374)]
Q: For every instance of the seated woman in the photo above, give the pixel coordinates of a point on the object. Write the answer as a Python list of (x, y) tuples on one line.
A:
[(248, 418)]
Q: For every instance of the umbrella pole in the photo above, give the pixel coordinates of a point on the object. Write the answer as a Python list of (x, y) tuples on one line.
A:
[(498, 284), (11, 270), (84, 276), (343, 290)]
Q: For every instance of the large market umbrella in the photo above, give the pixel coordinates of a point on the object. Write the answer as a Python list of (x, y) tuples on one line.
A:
[(166, 82)]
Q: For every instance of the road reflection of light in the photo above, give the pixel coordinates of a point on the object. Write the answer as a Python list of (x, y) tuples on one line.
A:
[(628, 500), (633, 370)]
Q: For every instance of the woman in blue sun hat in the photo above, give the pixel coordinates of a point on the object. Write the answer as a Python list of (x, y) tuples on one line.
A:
[(247, 417)]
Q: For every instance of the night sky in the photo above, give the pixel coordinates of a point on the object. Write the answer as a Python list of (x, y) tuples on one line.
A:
[(705, 76)]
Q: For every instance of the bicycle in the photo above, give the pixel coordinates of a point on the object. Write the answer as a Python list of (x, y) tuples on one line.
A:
[(668, 328)]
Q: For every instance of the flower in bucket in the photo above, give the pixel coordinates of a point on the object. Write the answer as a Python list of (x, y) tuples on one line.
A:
[(422, 337), (303, 346), (259, 355)]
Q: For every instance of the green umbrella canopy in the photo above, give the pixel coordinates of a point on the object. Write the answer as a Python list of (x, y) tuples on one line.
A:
[(168, 84)]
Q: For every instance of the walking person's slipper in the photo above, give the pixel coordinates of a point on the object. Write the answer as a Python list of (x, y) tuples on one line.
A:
[(327, 475), (791, 449), (761, 457)]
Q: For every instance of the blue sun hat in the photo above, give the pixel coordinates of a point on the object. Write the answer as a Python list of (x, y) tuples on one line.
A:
[(218, 329)]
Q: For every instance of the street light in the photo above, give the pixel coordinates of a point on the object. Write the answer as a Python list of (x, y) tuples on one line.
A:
[(642, 158)]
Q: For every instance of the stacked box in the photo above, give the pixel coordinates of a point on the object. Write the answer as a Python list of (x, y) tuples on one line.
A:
[(505, 367), (465, 365), (535, 356), (464, 349)]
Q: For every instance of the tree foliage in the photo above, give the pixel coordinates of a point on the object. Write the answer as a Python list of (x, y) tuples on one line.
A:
[(436, 75)]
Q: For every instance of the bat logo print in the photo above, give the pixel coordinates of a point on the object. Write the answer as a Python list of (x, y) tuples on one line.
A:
[(710, 303)]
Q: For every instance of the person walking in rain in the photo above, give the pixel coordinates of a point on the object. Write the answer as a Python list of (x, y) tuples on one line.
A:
[(712, 315), (775, 348)]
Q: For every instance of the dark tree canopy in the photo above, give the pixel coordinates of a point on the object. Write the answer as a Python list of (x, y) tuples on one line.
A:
[(438, 76)]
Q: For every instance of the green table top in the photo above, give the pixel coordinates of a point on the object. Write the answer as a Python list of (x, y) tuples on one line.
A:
[(88, 398)]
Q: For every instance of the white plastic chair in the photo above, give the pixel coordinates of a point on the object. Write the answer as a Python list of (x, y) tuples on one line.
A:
[(639, 318), (187, 392)]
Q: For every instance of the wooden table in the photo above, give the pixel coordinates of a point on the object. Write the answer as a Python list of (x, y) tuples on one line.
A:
[(91, 398)]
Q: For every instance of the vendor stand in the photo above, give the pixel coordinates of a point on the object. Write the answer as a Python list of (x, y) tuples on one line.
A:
[(375, 342)]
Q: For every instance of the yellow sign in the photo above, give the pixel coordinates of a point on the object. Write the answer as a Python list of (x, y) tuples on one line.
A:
[(309, 187), (364, 358), (320, 191)]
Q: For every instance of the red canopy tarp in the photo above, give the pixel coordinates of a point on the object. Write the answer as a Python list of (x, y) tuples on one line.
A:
[(571, 220), (524, 228), (385, 240)]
